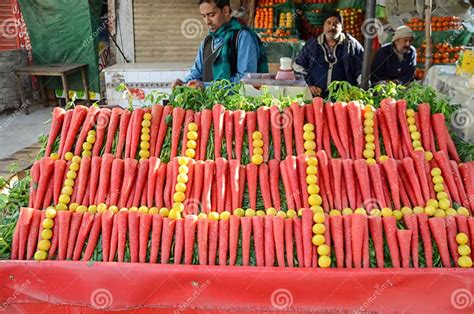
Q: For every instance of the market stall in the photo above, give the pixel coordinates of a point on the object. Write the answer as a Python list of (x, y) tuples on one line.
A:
[(319, 200)]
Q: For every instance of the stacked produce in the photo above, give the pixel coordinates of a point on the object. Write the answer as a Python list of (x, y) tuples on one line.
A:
[(438, 23), (264, 18), (304, 185), (353, 19)]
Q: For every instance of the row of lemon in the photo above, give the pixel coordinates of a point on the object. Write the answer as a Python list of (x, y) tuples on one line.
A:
[(464, 251)]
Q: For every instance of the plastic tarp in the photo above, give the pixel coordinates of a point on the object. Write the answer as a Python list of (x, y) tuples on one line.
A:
[(35, 286), (65, 32)]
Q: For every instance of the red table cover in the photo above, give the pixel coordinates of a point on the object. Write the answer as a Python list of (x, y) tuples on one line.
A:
[(86, 287)]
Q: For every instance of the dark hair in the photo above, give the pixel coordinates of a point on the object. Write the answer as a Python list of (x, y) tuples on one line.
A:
[(219, 3)]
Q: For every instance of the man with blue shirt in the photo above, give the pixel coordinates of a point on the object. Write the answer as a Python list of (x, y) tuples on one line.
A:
[(228, 52), (332, 56), (396, 61)]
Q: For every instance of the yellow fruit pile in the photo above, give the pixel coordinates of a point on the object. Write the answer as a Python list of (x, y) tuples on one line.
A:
[(464, 250), (324, 261), (68, 187), (145, 137), (309, 136), (191, 143), (180, 189), (44, 244), (257, 144), (369, 151), (87, 146)]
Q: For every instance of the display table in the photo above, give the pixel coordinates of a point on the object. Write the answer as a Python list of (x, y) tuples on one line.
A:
[(444, 81), (37, 286)]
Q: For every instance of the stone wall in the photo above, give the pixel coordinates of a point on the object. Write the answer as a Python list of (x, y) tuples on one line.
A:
[(9, 96)]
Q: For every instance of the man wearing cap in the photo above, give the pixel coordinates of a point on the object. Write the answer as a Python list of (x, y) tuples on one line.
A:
[(332, 56), (396, 61)]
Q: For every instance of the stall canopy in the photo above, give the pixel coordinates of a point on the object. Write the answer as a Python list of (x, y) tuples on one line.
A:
[(65, 32)]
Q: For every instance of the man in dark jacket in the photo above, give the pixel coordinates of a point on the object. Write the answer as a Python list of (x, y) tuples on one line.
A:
[(332, 56), (396, 61)]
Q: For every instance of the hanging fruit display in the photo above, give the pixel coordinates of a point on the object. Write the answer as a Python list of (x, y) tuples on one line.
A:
[(353, 19)]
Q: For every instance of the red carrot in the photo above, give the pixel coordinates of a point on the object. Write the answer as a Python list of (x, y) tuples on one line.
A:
[(246, 234), (401, 107), (340, 111), (390, 168), (452, 231), (307, 224), (145, 226), (239, 124), (234, 226), (426, 237), (179, 241), (205, 128), (298, 234), (48, 198), (388, 107), (199, 169), (46, 166), (188, 118), (252, 179), (122, 226), (154, 165), (59, 169), (86, 127), (64, 218), (419, 160), (123, 127), (459, 184), (35, 176), (213, 237), (104, 178), (357, 237), (80, 113), (228, 197), (251, 124), (329, 111), (298, 123), (202, 239), (337, 233), (218, 112), (101, 124), (112, 129), (286, 184), (107, 224), (275, 127), (303, 185), (356, 128), (178, 120), (96, 165), (263, 118), (425, 126), (411, 222), (361, 170), (471, 231), (278, 237), (390, 227), (415, 184), (130, 168), (133, 235), (242, 177), (269, 241), (258, 238), (31, 245), (56, 124), (385, 134), (140, 181), (229, 132), (209, 166), (84, 230), (336, 166), (348, 165), (375, 227), (157, 224), (221, 165), (161, 135), (323, 165), (234, 167), (404, 241), (377, 185), (265, 185), (441, 158), (445, 142), (93, 238), (223, 241), (288, 225), (64, 131), (54, 240), (156, 114), (318, 109), (190, 222), (136, 132), (116, 180), (292, 170), (438, 229), (74, 228), (160, 182), (274, 171), (287, 125)]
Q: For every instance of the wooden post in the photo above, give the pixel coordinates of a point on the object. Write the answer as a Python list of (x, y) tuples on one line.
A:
[(428, 53)]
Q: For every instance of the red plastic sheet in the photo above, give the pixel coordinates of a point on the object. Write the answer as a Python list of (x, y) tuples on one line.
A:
[(86, 287)]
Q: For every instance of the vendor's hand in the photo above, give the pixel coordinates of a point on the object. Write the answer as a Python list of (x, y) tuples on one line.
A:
[(196, 84), (315, 91), (176, 82)]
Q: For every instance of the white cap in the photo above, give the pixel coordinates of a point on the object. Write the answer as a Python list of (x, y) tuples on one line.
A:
[(286, 64)]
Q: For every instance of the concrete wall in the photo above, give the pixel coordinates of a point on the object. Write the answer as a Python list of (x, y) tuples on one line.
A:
[(9, 96)]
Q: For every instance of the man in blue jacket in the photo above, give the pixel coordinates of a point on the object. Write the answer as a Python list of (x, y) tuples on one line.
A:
[(332, 56), (395, 61), (228, 52)]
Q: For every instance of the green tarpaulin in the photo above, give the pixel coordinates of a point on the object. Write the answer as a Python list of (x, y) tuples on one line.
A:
[(64, 31)]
